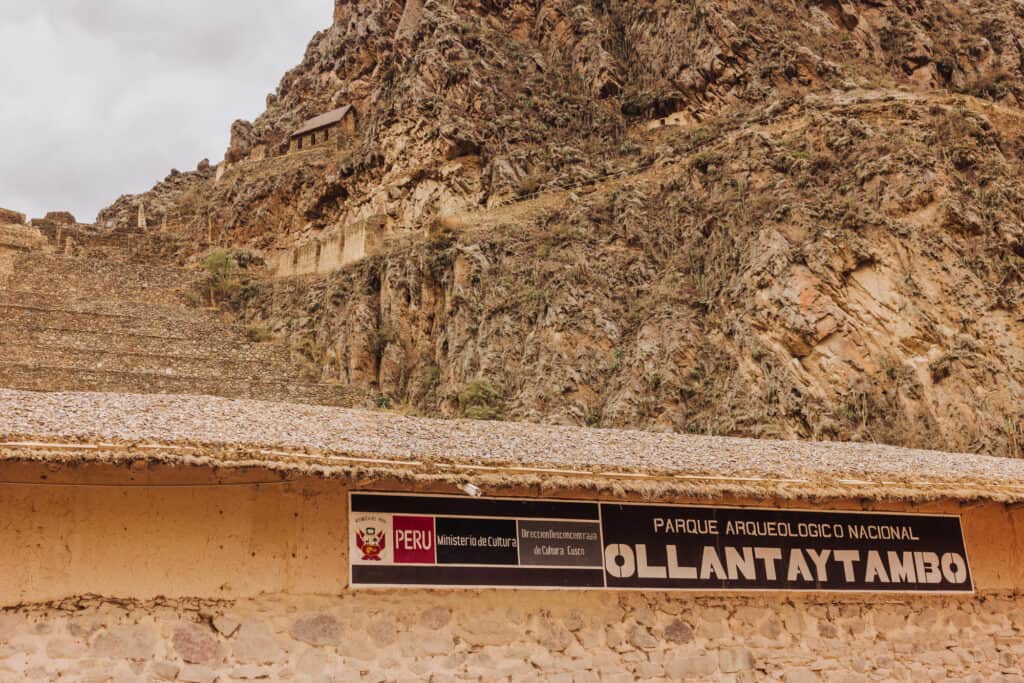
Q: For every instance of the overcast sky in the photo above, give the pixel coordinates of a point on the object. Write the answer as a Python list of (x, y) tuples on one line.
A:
[(100, 98)]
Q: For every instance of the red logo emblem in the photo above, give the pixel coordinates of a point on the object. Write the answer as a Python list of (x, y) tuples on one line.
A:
[(371, 541)]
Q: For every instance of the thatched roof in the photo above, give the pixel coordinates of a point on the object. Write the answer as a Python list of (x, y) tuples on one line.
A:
[(324, 120), (323, 441)]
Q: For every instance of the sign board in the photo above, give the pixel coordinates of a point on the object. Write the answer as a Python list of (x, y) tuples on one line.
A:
[(461, 542)]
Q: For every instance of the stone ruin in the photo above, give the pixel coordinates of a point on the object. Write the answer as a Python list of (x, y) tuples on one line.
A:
[(16, 237), (334, 126), (8, 217), (333, 250)]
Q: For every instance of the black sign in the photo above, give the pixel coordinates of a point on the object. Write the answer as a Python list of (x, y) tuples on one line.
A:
[(476, 541), (559, 544), (461, 542), (402, 540), (749, 549)]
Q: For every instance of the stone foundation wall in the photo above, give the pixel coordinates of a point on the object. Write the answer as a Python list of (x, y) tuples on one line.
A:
[(504, 636)]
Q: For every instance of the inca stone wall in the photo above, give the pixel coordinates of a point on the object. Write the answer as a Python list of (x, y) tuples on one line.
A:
[(569, 638), (332, 250)]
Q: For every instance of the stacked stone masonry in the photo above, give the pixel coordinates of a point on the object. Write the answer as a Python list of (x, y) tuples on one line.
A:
[(564, 637), (11, 217), (333, 250), (89, 312)]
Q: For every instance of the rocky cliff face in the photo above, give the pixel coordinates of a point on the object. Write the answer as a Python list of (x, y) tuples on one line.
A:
[(467, 104), (797, 219)]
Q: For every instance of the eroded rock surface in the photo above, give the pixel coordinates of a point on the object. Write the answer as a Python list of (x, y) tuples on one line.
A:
[(757, 219)]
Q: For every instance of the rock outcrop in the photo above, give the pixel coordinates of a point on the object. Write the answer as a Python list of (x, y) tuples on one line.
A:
[(758, 219), (469, 104), (804, 280)]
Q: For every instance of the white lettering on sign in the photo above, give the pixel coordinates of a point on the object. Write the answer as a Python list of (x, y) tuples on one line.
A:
[(802, 565), (698, 527), (620, 561), (414, 539)]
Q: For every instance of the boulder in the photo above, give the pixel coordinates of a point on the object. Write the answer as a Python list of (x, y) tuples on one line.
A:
[(242, 141), (410, 21)]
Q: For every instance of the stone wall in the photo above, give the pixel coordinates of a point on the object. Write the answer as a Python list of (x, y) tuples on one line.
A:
[(221, 575), (480, 636), (15, 239), (338, 135), (11, 217), (21, 238), (332, 250)]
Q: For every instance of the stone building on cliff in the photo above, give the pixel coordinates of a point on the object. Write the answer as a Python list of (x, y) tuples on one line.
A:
[(326, 128)]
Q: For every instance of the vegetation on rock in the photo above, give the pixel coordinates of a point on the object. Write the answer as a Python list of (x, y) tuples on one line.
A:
[(764, 219)]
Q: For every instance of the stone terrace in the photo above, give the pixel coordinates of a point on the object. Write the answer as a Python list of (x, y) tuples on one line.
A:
[(110, 319)]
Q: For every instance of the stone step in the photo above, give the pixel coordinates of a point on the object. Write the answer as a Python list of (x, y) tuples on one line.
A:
[(139, 329), (49, 379), (64, 277), (107, 307), (244, 364), (38, 333), (113, 319), (160, 325)]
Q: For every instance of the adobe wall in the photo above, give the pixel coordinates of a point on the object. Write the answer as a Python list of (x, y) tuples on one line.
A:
[(248, 579)]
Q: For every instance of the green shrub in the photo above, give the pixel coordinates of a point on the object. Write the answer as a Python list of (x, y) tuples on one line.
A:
[(222, 281), (530, 185), (706, 161), (481, 401), (430, 380), (994, 86)]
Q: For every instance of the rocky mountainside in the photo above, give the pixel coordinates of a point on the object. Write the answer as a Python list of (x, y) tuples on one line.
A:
[(796, 219)]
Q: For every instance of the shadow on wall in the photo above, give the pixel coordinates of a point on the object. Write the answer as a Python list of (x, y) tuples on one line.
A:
[(333, 250)]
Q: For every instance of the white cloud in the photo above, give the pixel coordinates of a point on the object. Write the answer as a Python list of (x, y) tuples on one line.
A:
[(104, 97)]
